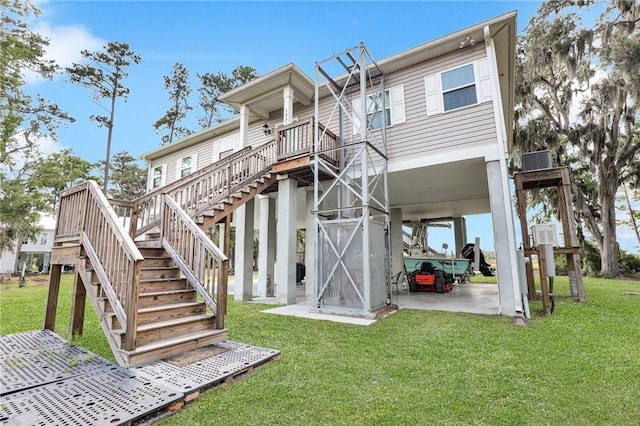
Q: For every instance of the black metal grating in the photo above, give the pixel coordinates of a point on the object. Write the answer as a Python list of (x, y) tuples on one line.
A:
[(46, 381), (112, 397), (37, 367), (30, 340), (209, 371)]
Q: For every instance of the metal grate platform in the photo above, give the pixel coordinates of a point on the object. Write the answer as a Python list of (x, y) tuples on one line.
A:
[(37, 367), (205, 373), (30, 340), (45, 380), (112, 397)]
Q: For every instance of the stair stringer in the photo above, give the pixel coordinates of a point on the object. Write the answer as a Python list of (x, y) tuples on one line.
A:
[(95, 298), (210, 216)]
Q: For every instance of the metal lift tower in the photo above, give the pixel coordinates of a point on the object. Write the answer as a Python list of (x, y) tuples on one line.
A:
[(351, 206)]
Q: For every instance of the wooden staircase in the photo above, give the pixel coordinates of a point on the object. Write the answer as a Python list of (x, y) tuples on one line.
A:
[(170, 318), (167, 295)]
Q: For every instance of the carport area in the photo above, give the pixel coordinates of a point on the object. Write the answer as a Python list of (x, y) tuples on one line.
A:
[(479, 298), (469, 298)]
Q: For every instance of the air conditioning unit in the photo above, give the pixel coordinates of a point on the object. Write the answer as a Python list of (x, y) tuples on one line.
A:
[(544, 234), (536, 160)]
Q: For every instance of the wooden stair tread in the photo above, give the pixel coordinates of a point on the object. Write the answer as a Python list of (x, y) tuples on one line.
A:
[(161, 308), (173, 322), (166, 279), (174, 341), (160, 293)]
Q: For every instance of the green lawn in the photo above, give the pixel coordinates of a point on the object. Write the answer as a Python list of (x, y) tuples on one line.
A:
[(580, 366)]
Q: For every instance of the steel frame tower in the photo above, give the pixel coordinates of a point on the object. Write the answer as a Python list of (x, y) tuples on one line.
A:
[(351, 207)]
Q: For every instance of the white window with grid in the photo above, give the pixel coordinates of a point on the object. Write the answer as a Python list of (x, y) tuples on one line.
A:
[(381, 108), (458, 87), (157, 176), (186, 165)]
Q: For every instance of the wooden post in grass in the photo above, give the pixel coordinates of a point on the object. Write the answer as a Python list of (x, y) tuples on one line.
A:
[(52, 297), (77, 306), (544, 282), (223, 274)]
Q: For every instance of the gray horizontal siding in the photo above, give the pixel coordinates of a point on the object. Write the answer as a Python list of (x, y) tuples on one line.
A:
[(419, 135), (454, 130)]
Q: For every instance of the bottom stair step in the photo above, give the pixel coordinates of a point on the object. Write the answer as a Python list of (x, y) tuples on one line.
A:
[(167, 348), (175, 327)]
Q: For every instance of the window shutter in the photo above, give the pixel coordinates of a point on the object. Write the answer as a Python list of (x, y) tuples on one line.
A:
[(149, 177), (194, 162), (178, 168), (355, 107), (163, 180), (483, 81), (433, 91), (396, 101)]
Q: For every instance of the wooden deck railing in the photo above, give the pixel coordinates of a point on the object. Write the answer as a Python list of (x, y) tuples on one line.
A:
[(86, 215), (296, 139), (204, 188), (198, 258), (208, 186)]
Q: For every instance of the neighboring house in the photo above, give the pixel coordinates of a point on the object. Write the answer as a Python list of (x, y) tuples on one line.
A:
[(448, 105), (36, 254)]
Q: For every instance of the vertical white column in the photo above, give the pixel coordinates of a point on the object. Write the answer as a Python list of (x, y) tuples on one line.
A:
[(396, 242), (266, 253), (460, 232), (244, 253), (504, 241), (310, 250), (244, 126), (288, 104), (243, 289), (286, 241)]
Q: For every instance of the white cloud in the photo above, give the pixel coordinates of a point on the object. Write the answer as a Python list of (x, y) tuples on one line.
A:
[(65, 44)]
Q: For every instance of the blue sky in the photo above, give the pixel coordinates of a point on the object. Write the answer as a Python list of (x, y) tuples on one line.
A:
[(212, 36)]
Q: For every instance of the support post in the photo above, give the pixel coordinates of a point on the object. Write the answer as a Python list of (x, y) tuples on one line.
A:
[(570, 235), (223, 278), (396, 244), (460, 233), (266, 252), (77, 306), (311, 233), (524, 229), (52, 297), (544, 282), (504, 240), (244, 252), (286, 235)]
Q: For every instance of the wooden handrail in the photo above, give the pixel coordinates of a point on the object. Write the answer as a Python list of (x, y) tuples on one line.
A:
[(296, 139), (86, 217), (206, 189), (193, 176), (192, 251)]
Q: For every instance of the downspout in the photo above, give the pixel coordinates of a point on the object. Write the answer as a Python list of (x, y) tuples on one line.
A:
[(502, 156)]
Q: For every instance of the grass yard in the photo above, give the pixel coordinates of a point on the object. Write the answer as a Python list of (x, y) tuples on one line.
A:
[(580, 366)]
